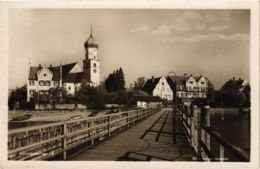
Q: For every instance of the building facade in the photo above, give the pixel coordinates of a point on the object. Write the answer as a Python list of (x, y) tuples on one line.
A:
[(69, 76), (161, 86), (188, 88)]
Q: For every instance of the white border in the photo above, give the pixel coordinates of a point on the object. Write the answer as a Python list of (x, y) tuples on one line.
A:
[(131, 4)]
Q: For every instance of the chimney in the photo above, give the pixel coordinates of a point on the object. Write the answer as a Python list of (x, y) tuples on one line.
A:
[(40, 66), (152, 78), (190, 74), (234, 78), (185, 74)]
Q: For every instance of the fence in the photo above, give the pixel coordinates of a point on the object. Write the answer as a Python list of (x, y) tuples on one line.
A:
[(196, 124), (63, 140)]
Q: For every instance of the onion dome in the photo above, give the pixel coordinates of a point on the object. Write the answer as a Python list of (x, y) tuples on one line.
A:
[(91, 42)]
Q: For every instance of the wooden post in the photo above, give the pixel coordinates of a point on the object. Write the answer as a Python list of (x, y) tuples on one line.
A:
[(221, 153), (64, 141), (127, 115), (193, 130), (196, 130), (108, 125), (207, 121), (199, 133)]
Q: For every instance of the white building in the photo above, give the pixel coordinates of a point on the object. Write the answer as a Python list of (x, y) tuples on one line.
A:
[(160, 86), (70, 76), (188, 87)]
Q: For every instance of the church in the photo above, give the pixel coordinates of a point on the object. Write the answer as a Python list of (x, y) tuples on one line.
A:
[(70, 76)]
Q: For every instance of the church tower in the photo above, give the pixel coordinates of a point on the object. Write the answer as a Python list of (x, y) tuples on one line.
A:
[(91, 62)]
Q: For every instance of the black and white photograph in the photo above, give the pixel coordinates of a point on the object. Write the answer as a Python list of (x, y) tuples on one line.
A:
[(151, 85)]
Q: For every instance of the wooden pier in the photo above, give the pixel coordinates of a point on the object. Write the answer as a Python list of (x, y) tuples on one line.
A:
[(150, 140), (181, 134)]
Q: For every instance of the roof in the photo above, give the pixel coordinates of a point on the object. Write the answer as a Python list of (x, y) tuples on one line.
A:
[(74, 77), (66, 76), (146, 98), (91, 42), (66, 69), (232, 84), (150, 85)]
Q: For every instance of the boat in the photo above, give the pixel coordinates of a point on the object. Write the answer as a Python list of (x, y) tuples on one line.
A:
[(21, 117)]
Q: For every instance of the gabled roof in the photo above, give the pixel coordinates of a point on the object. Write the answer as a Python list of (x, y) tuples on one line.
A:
[(150, 85), (66, 69), (66, 76), (74, 77)]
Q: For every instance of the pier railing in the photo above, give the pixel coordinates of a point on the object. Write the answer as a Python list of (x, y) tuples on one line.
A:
[(196, 124), (63, 140)]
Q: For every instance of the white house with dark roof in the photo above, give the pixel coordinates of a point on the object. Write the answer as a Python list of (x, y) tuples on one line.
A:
[(160, 86), (70, 76), (188, 88)]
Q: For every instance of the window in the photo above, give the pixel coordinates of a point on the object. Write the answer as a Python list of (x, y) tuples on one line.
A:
[(202, 82), (95, 65), (47, 83), (44, 74), (32, 92), (69, 88), (191, 82), (31, 83), (56, 83), (162, 83), (41, 83)]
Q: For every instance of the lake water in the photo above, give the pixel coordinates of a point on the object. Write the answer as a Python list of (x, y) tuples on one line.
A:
[(234, 128)]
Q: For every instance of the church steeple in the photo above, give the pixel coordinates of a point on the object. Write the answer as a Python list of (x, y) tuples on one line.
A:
[(91, 42), (91, 62)]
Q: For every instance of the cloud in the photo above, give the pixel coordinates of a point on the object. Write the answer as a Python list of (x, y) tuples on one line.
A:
[(162, 30), (218, 28), (208, 37), (142, 28), (191, 15), (210, 17), (200, 27), (181, 25)]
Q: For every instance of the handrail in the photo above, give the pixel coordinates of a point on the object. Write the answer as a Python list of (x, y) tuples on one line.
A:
[(238, 152), (60, 137), (194, 135)]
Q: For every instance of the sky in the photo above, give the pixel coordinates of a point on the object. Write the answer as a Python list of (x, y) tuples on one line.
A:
[(144, 42)]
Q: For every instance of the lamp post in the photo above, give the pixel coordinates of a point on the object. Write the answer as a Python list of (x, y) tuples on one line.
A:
[(175, 108)]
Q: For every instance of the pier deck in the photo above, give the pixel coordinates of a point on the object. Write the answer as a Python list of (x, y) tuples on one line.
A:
[(149, 140)]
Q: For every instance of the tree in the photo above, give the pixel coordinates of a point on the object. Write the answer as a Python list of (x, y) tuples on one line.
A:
[(92, 97), (18, 95), (115, 81), (56, 95)]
